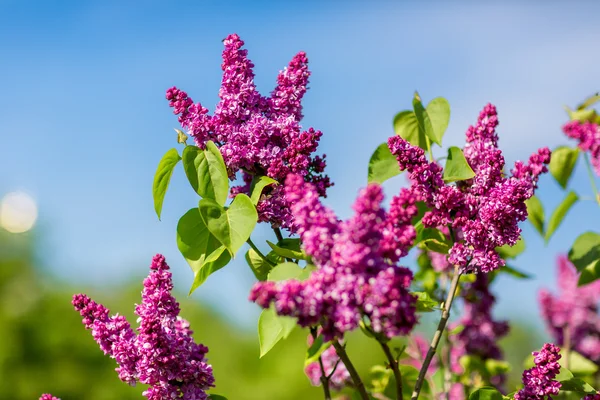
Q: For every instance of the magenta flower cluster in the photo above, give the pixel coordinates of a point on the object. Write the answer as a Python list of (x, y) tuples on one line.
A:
[(47, 396), (356, 273), (258, 135), (334, 369), (480, 334), (484, 211), (574, 309), (588, 136), (539, 382), (163, 353)]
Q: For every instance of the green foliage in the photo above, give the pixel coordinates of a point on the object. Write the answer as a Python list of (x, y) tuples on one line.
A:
[(288, 248), (316, 349), (231, 226), (486, 393), (562, 164), (535, 212), (382, 165), (206, 172), (508, 252), (258, 185), (423, 123), (560, 212), (425, 303), (457, 168), (201, 249), (585, 255), (272, 328), (571, 384), (259, 266), (162, 177)]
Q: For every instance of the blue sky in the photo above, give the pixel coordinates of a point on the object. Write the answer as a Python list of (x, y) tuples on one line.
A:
[(83, 119)]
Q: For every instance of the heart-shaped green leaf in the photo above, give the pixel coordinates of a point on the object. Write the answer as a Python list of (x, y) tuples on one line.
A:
[(382, 165), (407, 127), (231, 226), (162, 177), (259, 266), (202, 251), (258, 185), (535, 212), (273, 328), (457, 168), (438, 111), (562, 163), (217, 173)]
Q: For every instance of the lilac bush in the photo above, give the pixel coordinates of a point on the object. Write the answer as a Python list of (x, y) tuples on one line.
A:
[(461, 215)]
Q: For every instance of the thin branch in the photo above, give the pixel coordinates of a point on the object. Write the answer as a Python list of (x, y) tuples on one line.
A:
[(278, 234), (324, 377), (260, 254), (438, 333), (591, 176), (358, 383), (394, 366), (566, 350)]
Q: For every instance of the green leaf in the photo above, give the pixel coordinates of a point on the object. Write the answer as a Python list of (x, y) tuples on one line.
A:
[(181, 137), (507, 251), (425, 127), (496, 367), (457, 168), (202, 251), (382, 165), (272, 328), (424, 302), (407, 127), (212, 263), (438, 110), (162, 177), (577, 385), (258, 185), (217, 397), (590, 101), (195, 167), (559, 213), (579, 365), (589, 274), (535, 212), (315, 350), (380, 377), (433, 239), (231, 226), (582, 115), (585, 250), (562, 163), (287, 248), (217, 173), (285, 271), (486, 393), (259, 266), (515, 272)]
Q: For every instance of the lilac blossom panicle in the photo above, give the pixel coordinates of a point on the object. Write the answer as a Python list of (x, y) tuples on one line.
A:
[(356, 273), (574, 309), (258, 135), (539, 381), (480, 334), (47, 396), (163, 353), (588, 136), (339, 377), (484, 211)]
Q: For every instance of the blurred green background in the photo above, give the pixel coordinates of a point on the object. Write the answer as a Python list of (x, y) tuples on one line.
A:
[(45, 348)]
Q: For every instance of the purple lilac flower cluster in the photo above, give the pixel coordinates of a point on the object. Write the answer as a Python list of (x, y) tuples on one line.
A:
[(484, 211), (47, 396), (337, 372), (258, 135), (480, 334), (356, 260), (539, 381), (574, 309), (588, 135), (163, 353)]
